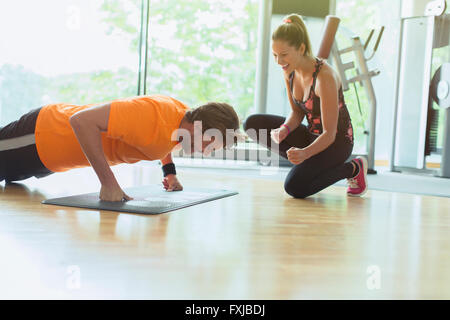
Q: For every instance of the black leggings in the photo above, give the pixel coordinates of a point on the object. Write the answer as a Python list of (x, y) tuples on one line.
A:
[(313, 174)]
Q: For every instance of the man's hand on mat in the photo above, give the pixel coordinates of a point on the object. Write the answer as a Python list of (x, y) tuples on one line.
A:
[(171, 183), (115, 193), (279, 134), (296, 155)]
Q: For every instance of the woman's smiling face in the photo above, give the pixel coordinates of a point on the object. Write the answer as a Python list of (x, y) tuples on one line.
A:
[(288, 57)]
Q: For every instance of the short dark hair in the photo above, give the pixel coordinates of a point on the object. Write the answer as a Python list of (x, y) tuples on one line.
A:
[(216, 115)]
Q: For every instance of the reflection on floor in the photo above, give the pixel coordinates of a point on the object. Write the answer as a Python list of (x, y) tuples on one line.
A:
[(385, 180), (260, 244)]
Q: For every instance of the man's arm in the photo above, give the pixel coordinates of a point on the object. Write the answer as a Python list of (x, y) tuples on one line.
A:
[(167, 159), (170, 181), (88, 125)]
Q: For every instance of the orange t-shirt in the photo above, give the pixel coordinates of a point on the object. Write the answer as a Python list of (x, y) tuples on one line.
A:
[(139, 128)]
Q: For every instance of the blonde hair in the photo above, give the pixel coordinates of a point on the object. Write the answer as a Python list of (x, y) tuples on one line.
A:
[(294, 32), (217, 115)]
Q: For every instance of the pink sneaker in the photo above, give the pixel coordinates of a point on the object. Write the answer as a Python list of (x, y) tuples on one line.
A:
[(357, 186)]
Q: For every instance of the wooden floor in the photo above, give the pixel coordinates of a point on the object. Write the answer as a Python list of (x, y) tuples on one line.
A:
[(260, 244)]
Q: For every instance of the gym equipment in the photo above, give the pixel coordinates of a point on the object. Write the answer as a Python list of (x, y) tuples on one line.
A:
[(147, 199), (329, 48), (329, 33), (415, 121)]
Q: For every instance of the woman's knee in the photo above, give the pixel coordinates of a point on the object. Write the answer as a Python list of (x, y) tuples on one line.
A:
[(252, 125), (295, 189), (252, 122)]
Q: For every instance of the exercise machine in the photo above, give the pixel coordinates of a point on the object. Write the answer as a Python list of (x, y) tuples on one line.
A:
[(329, 50), (415, 120)]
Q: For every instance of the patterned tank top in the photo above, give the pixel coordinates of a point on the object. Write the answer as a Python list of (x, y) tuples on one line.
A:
[(311, 108)]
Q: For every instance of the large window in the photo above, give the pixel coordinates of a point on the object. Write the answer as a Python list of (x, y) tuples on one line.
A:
[(65, 51), (204, 50), (84, 52)]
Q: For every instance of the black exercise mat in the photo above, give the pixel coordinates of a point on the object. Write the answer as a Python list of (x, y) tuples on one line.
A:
[(147, 199)]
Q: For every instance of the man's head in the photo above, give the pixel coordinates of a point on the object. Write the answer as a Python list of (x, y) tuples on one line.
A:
[(212, 126)]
